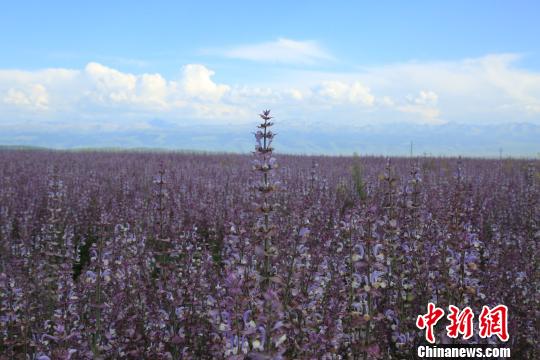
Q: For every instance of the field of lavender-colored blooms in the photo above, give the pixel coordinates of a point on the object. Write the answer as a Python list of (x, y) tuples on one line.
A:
[(112, 255)]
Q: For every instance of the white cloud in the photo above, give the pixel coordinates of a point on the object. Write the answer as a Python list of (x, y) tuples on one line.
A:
[(360, 93), (197, 83), (386, 101), (34, 97), (488, 89), (281, 50), (426, 98), (519, 85), (491, 85), (340, 92), (423, 105), (110, 85), (296, 94), (98, 91), (153, 89), (427, 114)]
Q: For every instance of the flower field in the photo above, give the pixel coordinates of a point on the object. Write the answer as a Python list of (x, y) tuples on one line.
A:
[(133, 255)]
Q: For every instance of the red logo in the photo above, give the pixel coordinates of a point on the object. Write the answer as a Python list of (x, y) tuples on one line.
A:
[(461, 322), (490, 322), (429, 320), (494, 322)]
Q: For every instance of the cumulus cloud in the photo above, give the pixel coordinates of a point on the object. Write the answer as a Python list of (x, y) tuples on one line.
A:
[(296, 94), (197, 82), (102, 84), (34, 97), (426, 98), (488, 89), (109, 84), (424, 106), (281, 50), (99, 92), (153, 89), (491, 87), (339, 92), (521, 86)]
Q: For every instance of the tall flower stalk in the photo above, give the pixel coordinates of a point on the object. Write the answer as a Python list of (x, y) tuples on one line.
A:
[(265, 164)]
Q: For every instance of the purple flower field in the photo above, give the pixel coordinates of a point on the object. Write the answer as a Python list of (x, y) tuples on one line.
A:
[(127, 255)]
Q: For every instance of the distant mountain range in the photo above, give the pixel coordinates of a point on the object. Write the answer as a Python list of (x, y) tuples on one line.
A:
[(518, 139)]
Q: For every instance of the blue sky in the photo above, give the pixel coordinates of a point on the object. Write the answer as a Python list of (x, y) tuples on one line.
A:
[(119, 67)]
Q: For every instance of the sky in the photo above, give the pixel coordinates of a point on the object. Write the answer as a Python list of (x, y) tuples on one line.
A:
[(450, 76)]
